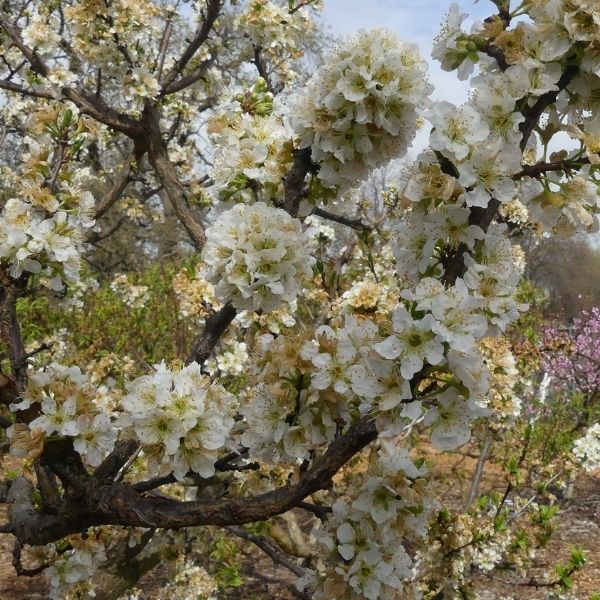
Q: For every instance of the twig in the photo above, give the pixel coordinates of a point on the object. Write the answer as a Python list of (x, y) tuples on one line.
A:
[(487, 443), (319, 511), (354, 223), (164, 44), (214, 8), (151, 484), (19, 89), (261, 67), (560, 165), (259, 541)]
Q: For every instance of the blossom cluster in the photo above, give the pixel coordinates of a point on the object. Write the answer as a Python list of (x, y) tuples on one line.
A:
[(415, 349), (364, 538), (359, 109), (253, 148), (118, 38), (190, 583), (133, 296), (70, 405), (482, 137), (255, 255), (180, 417), (276, 31), (69, 573), (44, 221)]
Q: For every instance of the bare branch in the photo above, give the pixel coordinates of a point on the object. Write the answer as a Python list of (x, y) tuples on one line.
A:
[(167, 175), (546, 167), (19, 568), (319, 511), (192, 78), (294, 182), (116, 460), (10, 331), (261, 67), (96, 236), (164, 44)]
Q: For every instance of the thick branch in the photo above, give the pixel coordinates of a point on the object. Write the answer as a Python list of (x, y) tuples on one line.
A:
[(121, 504), (10, 332), (294, 182), (96, 107), (215, 327), (167, 175)]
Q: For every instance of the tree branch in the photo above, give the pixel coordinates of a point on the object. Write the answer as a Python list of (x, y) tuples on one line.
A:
[(278, 557), (116, 460), (191, 78), (546, 167), (215, 327), (354, 223), (532, 114), (167, 176), (261, 67), (106, 502), (86, 101), (213, 10), (19, 89), (294, 182), (10, 332)]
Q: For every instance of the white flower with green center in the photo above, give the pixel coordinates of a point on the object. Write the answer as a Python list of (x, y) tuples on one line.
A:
[(378, 500), (456, 129), (450, 421), (182, 412), (413, 342), (57, 417), (96, 438)]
